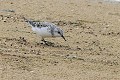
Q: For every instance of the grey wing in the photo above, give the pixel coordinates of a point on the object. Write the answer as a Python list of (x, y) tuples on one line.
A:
[(42, 24), (51, 27), (52, 31), (37, 24)]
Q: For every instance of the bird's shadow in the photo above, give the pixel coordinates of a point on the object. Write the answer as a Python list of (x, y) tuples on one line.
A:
[(48, 43), (51, 44)]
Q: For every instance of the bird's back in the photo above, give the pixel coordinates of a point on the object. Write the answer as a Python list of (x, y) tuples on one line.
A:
[(45, 29)]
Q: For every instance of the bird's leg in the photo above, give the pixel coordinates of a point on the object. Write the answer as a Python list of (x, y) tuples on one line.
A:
[(43, 40), (47, 42)]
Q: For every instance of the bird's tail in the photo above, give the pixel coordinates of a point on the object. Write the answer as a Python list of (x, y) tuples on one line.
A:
[(25, 19), (30, 22)]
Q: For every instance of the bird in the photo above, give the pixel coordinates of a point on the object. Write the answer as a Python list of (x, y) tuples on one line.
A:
[(45, 29)]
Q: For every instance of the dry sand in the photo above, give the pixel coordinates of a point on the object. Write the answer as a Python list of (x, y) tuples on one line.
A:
[(91, 52)]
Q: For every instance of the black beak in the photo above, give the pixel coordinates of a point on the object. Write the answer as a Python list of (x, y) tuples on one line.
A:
[(63, 37)]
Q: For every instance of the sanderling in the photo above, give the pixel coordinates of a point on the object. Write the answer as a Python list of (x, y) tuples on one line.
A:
[(45, 29)]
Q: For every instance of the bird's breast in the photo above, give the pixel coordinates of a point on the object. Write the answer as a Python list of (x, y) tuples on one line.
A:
[(44, 32)]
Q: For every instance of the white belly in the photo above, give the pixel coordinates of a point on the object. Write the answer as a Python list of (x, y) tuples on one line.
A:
[(43, 32)]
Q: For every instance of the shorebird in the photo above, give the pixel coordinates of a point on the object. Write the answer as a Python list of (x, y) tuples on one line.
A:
[(45, 29)]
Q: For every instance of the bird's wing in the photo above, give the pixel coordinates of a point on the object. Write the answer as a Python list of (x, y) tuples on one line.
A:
[(41, 24), (50, 26)]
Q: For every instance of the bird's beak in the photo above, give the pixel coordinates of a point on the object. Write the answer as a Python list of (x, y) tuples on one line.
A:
[(63, 37)]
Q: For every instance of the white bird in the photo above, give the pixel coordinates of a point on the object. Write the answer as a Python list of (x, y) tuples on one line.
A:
[(45, 29)]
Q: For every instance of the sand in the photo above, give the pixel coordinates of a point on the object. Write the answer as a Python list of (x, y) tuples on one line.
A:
[(91, 52)]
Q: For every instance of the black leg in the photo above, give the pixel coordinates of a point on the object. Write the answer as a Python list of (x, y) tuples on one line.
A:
[(44, 41), (47, 42)]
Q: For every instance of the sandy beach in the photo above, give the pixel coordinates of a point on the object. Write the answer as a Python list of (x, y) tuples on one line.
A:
[(91, 52)]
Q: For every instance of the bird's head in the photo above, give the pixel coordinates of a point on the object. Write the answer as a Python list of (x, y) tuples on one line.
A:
[(59, 32)]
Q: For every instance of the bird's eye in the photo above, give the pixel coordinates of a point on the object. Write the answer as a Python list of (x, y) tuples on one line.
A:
[(58, 32)]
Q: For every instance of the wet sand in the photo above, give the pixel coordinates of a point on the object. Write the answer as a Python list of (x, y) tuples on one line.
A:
[(91, 52)]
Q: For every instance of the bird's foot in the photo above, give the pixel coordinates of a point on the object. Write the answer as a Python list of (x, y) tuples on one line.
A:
[(48, 43)]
